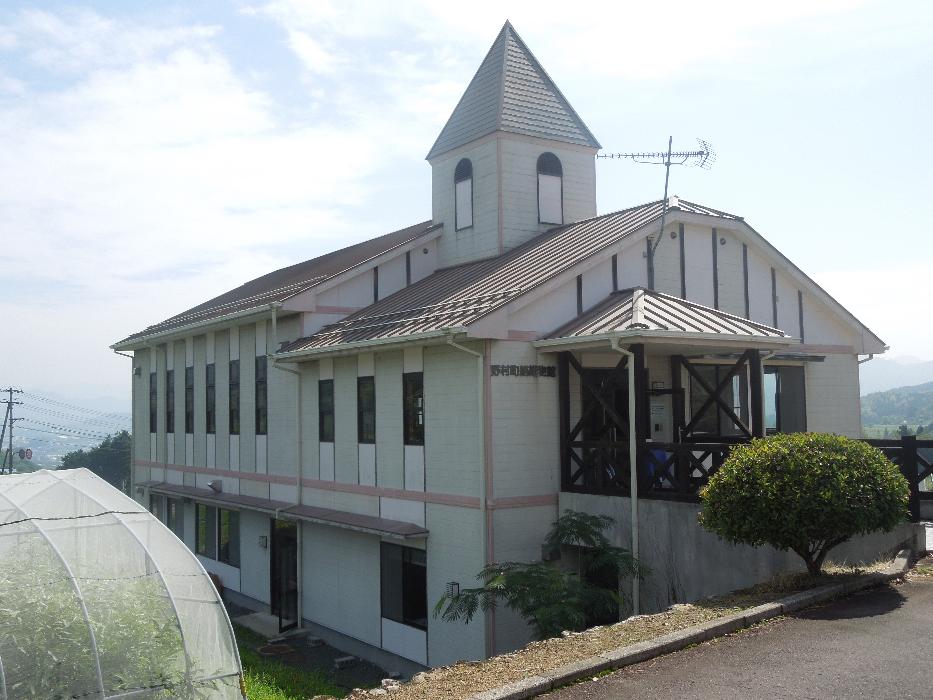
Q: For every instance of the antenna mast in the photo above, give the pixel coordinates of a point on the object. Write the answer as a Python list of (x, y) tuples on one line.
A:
[(704, 158)]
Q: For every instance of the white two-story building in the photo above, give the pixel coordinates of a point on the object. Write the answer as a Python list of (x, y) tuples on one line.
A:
[(343, 440)]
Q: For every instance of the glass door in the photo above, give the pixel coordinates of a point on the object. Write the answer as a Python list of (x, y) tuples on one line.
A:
[(283, 571)]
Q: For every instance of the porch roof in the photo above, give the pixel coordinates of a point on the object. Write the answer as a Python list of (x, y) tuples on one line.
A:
[(645, 314), (346, 520)]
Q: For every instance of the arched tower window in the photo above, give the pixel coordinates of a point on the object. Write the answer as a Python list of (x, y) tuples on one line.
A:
[(463, 194), (550, 189)]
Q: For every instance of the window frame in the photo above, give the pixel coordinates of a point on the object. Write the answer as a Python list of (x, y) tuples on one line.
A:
[(175, 516), (462, 173), (325, 410), (407, 554), (233, 383), (232, 555), (210, 398), (413, 412), (153, 402), (206, 535), (189, 400), (366, 410), (262, 395), (170, 401), (545, 166)]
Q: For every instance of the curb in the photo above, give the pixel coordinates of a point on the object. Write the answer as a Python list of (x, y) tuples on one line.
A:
[(675, 641)]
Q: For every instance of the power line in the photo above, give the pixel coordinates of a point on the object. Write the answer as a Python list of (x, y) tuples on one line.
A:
[(64, 429), (82, 409), (86, 420)]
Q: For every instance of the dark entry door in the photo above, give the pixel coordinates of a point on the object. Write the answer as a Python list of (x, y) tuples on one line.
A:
[(606, 439), (284, 573)]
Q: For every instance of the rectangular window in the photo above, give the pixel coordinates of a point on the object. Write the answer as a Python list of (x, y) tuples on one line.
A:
[(404, 585), (714, 421), (155, 506), (189, 400), (366, 409), (153, 402), (464, 196), (325, 410), (234, 397), (413, 407), (785, 400), (170, 401), (173, 517), (262, 408), (210, 396), (228, 537), (205, 531), (550, 210)]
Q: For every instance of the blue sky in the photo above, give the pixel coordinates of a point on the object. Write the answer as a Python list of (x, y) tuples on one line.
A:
[(156, 154)]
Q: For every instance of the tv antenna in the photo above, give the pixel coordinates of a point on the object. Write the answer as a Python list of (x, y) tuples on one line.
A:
[(703, 157)]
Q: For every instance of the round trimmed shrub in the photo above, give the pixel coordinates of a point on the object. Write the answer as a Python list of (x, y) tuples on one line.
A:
[(806, 492)]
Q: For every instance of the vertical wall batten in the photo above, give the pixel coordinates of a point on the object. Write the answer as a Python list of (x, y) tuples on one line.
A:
[(615, 273), (683, 262), (774, 299), (715, 271), (745, 279), (579, 294), (407, 268), (800, 313)]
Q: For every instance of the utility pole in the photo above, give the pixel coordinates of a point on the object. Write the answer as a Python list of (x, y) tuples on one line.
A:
[(8, 422)]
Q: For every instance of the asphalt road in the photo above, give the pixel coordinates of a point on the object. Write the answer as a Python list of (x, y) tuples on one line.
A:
[(876, 644)]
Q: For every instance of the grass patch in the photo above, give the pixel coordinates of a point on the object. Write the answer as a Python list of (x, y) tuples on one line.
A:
[(269, 679)]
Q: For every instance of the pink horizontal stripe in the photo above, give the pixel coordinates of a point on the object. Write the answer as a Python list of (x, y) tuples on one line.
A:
[(523, 335), (548, 499), (443, 499)]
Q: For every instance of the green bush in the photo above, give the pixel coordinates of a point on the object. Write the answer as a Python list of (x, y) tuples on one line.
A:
[(806, 492), (548, 597)]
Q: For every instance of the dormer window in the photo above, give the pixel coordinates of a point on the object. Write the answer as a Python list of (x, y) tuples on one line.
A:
[(550, 189), (463, 194)]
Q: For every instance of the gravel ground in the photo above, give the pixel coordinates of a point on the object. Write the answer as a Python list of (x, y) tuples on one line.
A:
[(466, 678)]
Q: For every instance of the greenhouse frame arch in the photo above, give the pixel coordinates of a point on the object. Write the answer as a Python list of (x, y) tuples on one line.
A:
[(99, 600)]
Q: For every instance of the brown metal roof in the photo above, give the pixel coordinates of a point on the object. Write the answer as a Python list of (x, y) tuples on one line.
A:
[(645, 310), (284, 283), (458, 296), (324, 516)]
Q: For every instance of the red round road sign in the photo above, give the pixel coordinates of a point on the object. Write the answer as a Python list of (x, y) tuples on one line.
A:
[(22, 453), (28, 453)]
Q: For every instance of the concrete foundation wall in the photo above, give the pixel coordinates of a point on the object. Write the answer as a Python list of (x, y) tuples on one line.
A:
[(688, 563)]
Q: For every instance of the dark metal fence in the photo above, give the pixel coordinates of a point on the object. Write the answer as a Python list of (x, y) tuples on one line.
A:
[(677, 471)]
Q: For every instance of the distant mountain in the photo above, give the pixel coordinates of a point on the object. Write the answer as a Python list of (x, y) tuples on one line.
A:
[(907, 404), (881, 374)]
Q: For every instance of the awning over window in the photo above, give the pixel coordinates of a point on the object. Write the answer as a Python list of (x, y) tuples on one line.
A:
[(346, 520)]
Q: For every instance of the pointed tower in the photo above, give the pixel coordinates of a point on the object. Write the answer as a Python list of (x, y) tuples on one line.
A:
[(513, 160)]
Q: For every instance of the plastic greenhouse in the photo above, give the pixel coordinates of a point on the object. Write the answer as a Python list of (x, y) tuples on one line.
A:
[(98, 599)]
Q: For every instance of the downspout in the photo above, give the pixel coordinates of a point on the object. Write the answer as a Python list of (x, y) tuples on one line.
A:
[(299, 471), (132, 479), (633, 466), (484, 482)]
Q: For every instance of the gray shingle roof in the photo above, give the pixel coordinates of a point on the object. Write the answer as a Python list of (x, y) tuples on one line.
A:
[(458, 296), (645, 310), (284, 283), (512, 92)]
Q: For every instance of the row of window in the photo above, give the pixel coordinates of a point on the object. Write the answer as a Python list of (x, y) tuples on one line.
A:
[(210, 396), (412, 409), (550, 191)]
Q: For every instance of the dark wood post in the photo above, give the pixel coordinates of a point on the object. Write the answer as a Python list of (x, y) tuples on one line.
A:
[(642, 425), (910, 470), (678, 399), (756, 378), (563, 399)]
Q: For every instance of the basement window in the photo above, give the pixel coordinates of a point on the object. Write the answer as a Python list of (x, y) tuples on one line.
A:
[(550, 189), (463, 194), (325, 410), (404, 583)]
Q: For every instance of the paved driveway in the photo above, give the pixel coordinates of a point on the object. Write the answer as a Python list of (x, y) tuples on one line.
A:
[(876, 644)]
